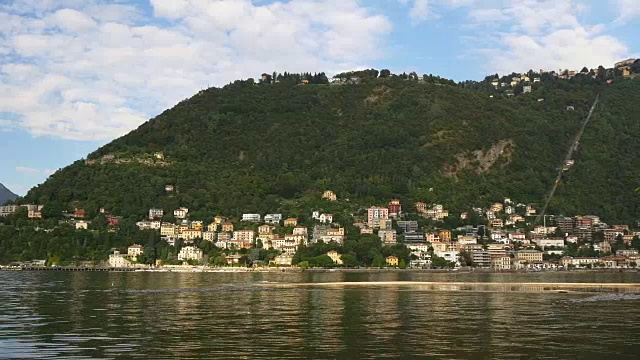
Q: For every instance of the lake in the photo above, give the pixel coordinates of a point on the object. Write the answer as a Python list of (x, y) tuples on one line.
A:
[(50, 314)]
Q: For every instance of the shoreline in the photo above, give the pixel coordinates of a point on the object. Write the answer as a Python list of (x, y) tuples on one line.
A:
[(203, 269)]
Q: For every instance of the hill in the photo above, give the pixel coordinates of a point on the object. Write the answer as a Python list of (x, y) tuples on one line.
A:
[(6, 195), (274, 147)]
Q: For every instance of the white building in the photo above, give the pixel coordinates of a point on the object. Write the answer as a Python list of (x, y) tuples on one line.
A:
[(118, 260), (135, 250), (251, 217), (273, 218), (190, 253), (82, 225), (388, 236), (375, 215), (180, 213), (155, 213), (326, 218), (209, 236), (543, 243)]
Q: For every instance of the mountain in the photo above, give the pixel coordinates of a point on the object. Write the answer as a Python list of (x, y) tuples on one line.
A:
[(6, 195), (275, 147)]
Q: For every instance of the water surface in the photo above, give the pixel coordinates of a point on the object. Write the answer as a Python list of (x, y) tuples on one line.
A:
[(248, 315)]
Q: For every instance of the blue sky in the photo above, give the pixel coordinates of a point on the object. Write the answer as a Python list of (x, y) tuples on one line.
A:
[(75, 74)]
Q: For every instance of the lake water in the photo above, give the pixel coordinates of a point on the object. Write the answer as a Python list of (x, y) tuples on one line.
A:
[(247, 315)]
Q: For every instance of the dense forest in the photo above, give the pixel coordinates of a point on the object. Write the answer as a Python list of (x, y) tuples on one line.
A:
[(262, 148)]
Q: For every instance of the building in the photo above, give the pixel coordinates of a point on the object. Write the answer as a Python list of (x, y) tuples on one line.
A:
[(627, 252), (395, 208), (529, 255), (326, 218), (180, 213), (155, 213), (265, 229), (481, 258), (8, 210), (135, 250), (392, 260), (300, 230), (219, 220), (375, 215), (34, 214), (336, 257), (190, 253), (251, 217), (283, 260), (467, 239), (407, 226), (500, 262), (421, 207), (445, 235), (329, 195), (413, 237), (273, 218), (227, 227), (82, 225), (564, 223), (291, 222), (113, 220), (246, 236), (79, 213), (387, 236), (544, 243), (167, 229), (336, 235), (190, 234), (117, 260), (210, 236)]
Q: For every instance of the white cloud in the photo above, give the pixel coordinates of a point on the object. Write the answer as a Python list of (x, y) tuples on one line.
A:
[(33, 171), (86, 70), (550, 34), (627, 10)]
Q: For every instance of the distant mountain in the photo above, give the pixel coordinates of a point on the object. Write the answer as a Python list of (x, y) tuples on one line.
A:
[(6, 195)]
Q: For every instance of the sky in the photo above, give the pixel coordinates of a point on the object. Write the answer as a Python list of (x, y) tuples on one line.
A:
[(76, 74)]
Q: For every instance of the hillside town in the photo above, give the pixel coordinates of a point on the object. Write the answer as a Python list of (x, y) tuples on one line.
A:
[(500, 237)]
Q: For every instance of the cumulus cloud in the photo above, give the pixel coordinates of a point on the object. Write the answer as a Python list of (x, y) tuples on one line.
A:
[(33, 171), (86, 70), (550, 34), (627, 10)]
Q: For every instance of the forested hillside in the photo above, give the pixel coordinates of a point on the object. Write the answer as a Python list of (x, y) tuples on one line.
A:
[(271, 147), (6, 195)]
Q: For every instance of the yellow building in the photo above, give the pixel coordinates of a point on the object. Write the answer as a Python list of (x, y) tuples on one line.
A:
[(227, 227), (330, 195), (291, 222), (529, 255), (336, 257), (392, 260), (445, 235)]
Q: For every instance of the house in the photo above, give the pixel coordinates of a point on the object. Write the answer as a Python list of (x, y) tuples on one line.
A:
[(180, 213), (300, 230), (168, 229), (496, 223), (395, 207), (265, 229), (392, 260), (413, 237), (34, 214), (283, 260), (155, 213), (8, 210), (227, 227), (500, 262), (233, 259), (387, 236), (197, 225), (169, 188), (79, 213), (134, 251), (113, 220), (117, 260), (497, 207), (190, 253), (336, 257), (421, 207), (209, 236), (213, 227), (190, 234), (464, 215), (272, 218), (336, 235), (517, 236), (366, 230), (251, 217), (407, 226), (329, 195), (529, 256), (326, 218), (453, 256), (291, 222), (375, 215), (244, 236), (544, 243), (219, 220), (580, 261), (445, 235), (159, 156), (467, 239), (82, 225), (526, 89)]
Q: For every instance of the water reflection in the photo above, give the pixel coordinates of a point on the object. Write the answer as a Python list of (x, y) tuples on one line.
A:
[(193, 315)]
